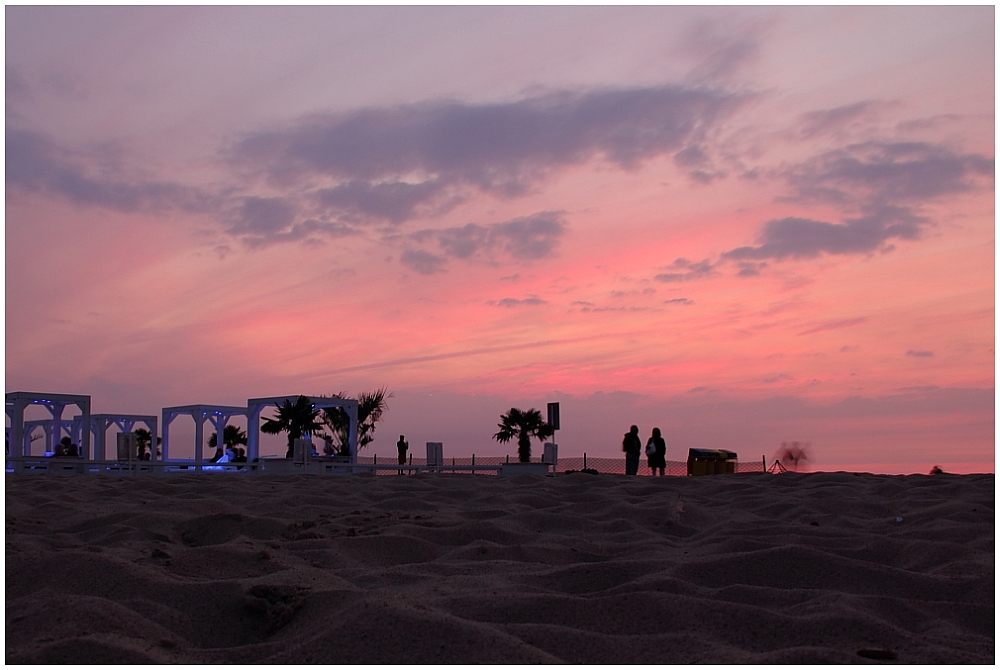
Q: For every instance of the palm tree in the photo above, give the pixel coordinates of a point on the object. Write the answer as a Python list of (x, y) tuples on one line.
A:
[(142, 440), (525, 425), (296, 420), (231, 437), (371, 406)]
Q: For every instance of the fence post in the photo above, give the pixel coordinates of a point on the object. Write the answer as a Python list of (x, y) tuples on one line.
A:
[(585, 460), (374, 459), (473, 464), (508, 459), (763, 463)]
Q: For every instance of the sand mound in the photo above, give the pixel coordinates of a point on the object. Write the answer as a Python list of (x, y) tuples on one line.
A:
[(459, 568)]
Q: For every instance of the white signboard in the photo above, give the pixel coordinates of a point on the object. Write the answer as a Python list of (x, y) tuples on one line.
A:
[(127, 446), (435, 453)]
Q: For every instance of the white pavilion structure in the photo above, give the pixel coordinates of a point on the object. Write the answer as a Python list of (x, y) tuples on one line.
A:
[(218, 415), (100, 423), (87, 429), (256, 405), (56, 404)]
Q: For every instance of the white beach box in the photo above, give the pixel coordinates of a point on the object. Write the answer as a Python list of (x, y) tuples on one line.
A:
[(551, 454), (127, 446), (301, 451), (435, 453)]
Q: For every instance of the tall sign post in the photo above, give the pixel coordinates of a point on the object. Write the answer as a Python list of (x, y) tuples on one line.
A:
[(551, 449), (554, 417)]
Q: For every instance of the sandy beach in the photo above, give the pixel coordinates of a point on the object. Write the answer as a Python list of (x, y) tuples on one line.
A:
[(447, 568)]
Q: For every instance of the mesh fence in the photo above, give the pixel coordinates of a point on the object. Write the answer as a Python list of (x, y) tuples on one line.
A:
[(611, 466)]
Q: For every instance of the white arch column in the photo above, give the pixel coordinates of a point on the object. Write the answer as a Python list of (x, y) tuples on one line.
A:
[(219, 415), (100, 423), (256, 405), (16, 403)]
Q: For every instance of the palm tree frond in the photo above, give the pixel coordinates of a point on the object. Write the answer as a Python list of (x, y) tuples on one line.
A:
[(525, 425)]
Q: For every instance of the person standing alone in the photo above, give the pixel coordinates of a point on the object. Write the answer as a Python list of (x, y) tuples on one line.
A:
[(656, 453), (401, 447), (632, 446)]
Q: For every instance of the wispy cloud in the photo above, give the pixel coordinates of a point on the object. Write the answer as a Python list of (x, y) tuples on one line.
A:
[(835, 325), (682, 270), (884, 183), (881, 173), (838, 119), (387, 163), (793, 237), (491, 145), (920, 354), (423, 262), (328, 173), (515, 302), (393, 201), (36, 164), (521, 239), (721, 48)]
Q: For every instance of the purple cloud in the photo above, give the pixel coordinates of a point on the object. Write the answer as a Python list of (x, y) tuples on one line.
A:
[(514, 302), (422, 261), (793, 237), (684, 270), (262, 216), (886, 172), (835, 325), (392, 201), (395, 164), (499, 148), (35, 164), (884, 182), (825, 121), (522, 239)]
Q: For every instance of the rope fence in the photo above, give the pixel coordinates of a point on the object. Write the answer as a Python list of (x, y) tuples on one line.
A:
[(477, 465), (610, 466)]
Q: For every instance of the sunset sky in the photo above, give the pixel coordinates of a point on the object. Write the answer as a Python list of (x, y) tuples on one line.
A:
[(742, 225)]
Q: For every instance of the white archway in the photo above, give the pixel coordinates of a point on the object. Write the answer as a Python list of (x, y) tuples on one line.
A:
[(256, 405), (219, 415), (99, 424), (17, 401)]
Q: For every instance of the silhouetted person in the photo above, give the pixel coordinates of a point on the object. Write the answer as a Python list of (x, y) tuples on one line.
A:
[(218, 455), (656, 453), (402, 447), (66, 449), (632, 446)]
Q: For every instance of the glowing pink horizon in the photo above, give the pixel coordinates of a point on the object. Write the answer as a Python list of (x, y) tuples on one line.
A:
[(742, 225)]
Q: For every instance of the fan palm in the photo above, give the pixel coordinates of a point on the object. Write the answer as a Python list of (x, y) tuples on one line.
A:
[(371, 406), (295, 419), (231, 437), (142, 440), (524, 425)]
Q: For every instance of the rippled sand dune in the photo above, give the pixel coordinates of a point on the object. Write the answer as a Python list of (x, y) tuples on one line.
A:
[(460, 568)]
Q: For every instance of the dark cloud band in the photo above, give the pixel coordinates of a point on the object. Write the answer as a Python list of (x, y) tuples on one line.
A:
[(521, 239)]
